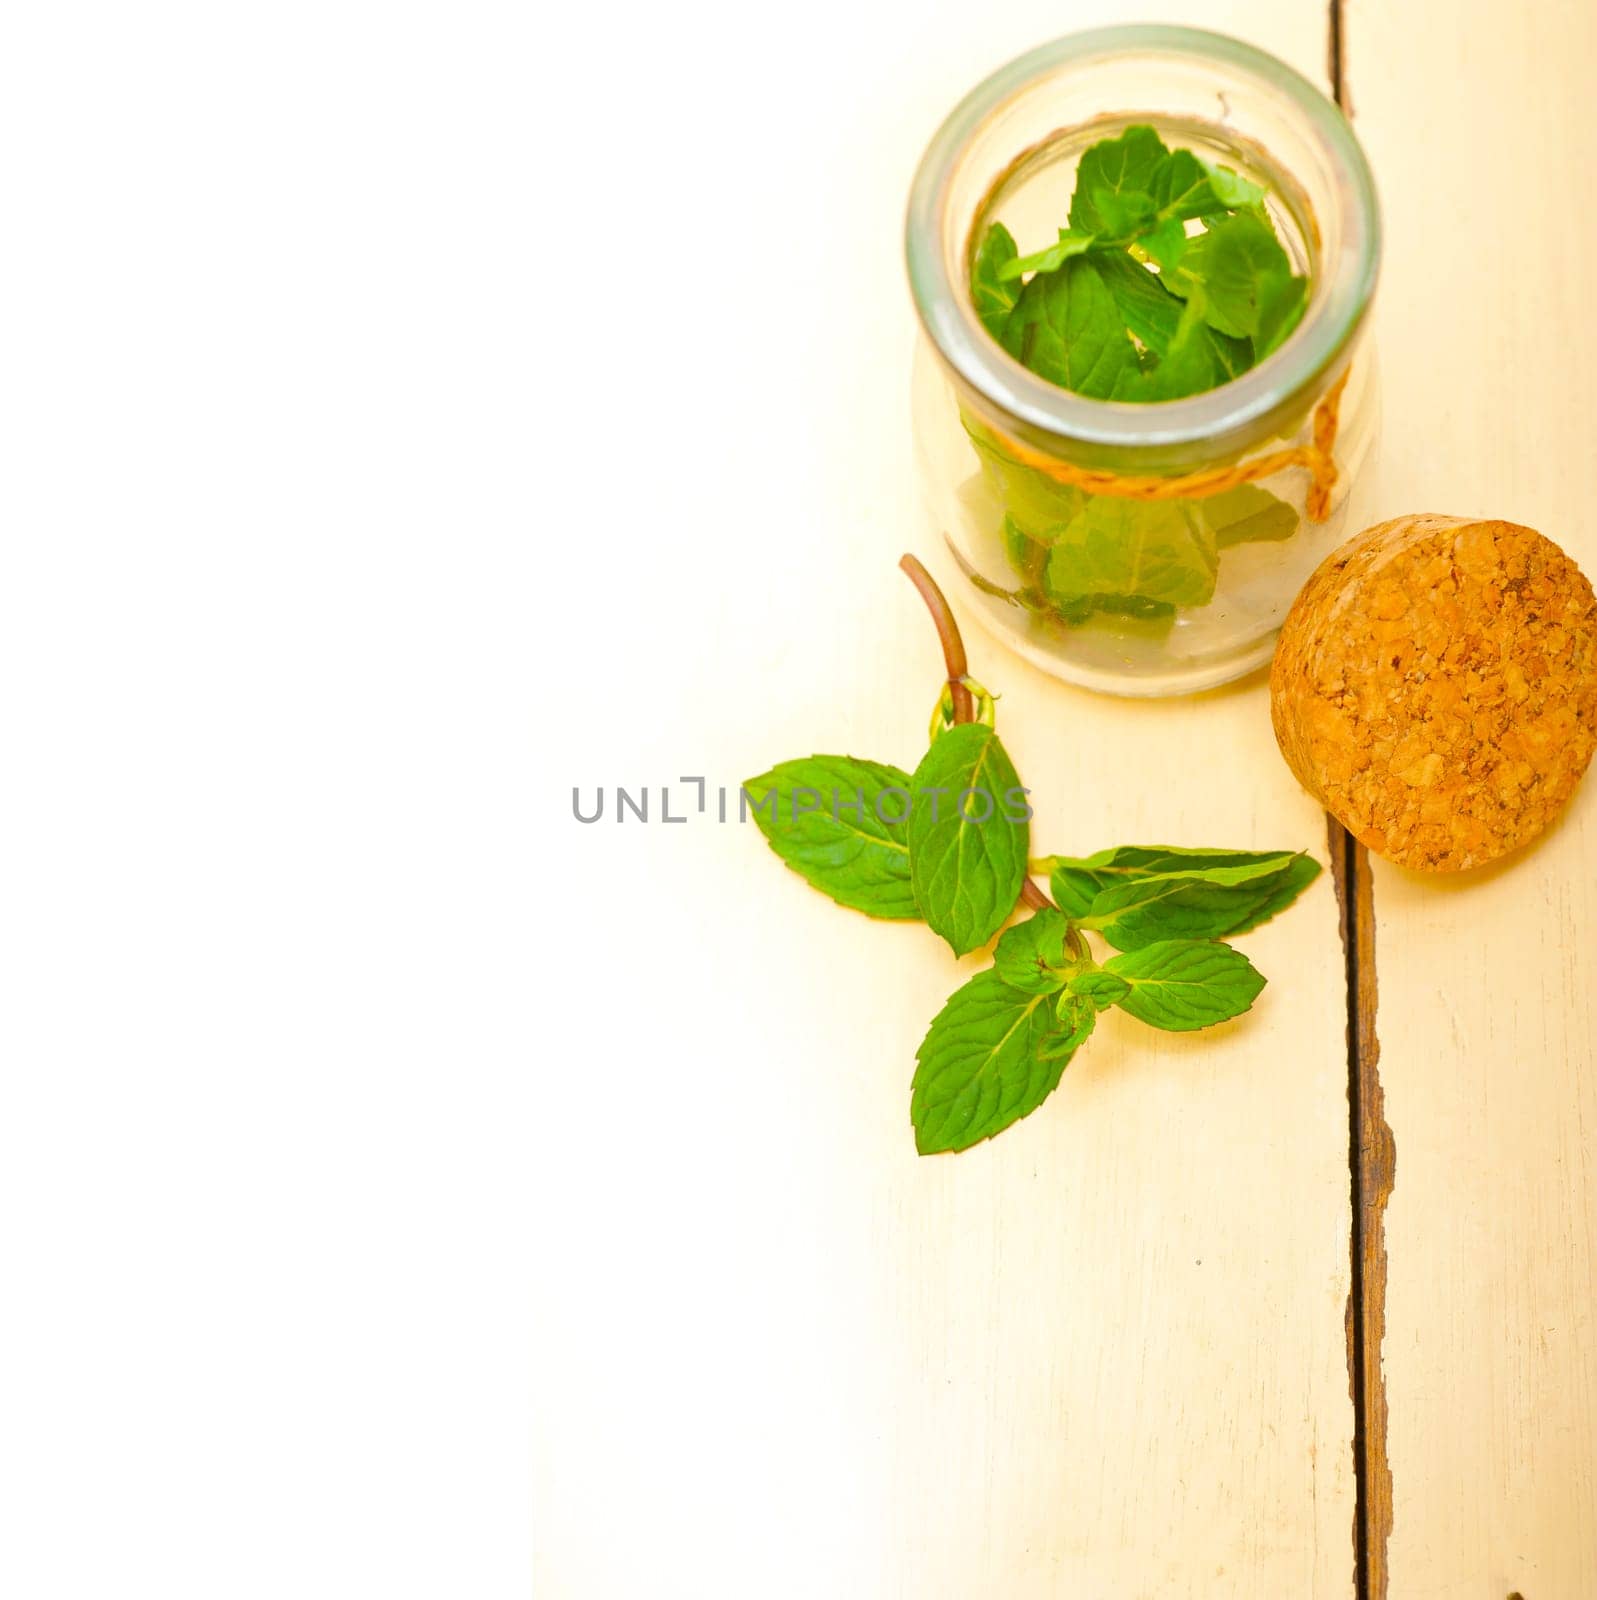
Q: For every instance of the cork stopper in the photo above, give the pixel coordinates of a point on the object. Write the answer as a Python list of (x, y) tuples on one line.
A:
[(1435, 688)]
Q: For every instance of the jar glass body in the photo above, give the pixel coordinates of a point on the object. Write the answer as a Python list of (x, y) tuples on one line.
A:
[(1143, 549)]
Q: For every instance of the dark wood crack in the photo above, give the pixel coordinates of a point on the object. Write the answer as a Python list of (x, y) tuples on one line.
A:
[(1372, 1151), (1372, 1162)]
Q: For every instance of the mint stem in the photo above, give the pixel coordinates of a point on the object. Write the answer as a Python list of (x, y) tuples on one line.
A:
[(954, 660), (947, 636)]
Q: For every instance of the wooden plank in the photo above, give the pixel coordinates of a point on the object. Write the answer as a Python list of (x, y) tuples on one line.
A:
[(1485, 1018), (780, 1354)]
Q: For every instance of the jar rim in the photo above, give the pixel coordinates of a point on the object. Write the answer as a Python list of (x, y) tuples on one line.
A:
[(1315, 347)]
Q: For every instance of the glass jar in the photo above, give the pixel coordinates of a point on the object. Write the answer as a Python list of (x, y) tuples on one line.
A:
[(1222, 502)]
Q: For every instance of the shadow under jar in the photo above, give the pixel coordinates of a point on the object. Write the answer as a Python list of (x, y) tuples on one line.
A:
[(1143, 548)]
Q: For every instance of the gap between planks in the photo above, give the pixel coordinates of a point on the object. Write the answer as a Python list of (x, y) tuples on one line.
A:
[(1372, 1162), (1372, 1150)]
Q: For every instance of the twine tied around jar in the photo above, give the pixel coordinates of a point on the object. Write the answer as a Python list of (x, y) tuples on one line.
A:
[(1315, 457)]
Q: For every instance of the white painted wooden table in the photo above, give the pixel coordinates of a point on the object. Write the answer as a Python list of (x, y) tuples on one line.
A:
[(1107, 1355)]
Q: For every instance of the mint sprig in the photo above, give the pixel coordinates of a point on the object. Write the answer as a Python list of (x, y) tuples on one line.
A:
[(947, 844)]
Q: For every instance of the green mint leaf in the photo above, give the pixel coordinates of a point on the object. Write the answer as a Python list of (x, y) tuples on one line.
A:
[(1132, 186), (978, 1069), (1028, 556), (1031, 956), (1147, 308), (1073, 887), (1030, 559), (993, 295), (967, 836), (1199, 357), (1247, 514), (1281, 306), (1241, 267), (1077, 1016), (1166, 245), (1183, 984), (1181, 187), (1112, 183), (1065, 328), (1055, 256), (1231, 189), (1099, 986), (1153, 549), (1127, 216), (1283, 890), (852, 855), (1081, 608), (1146, 911), (1037, 505), (1077, 880), (1132, 384)]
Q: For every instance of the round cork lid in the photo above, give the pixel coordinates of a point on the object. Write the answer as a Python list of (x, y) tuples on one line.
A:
[(1435, 688)]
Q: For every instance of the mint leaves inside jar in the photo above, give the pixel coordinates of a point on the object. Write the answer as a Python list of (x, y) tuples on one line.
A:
[(1168, 281)]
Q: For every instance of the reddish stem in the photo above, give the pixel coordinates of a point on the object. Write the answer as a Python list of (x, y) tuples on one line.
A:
[(947, 635), (1032, 896)]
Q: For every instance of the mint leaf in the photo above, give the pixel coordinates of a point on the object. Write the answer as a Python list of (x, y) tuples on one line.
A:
[(1247, 514), (1281, 305), (1283, 890), (1146, 307), (1233, 191), (1139, 860), (1082, 608), (1102, 988), (1038, 506), (1028, 558), (1148, 910), (1077, 880), (1166, 244), (1065, 328), (1180, 188), (1129, 187), (1236, 267), (1070, 244), (978, 1069), (1183, 984), (1077, 1018), (967, 836), (1192, 356), (853, 855), (1199, 357), (1112, 184), (1032, 955), (994, 297), (1152, 549)]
